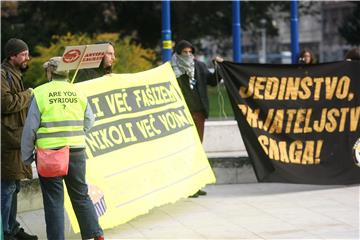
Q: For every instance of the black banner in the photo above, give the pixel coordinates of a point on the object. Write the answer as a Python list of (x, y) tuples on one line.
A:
[(299, 123)]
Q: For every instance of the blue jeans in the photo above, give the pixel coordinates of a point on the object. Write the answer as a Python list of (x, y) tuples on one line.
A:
[(53, 198), (9, 191)]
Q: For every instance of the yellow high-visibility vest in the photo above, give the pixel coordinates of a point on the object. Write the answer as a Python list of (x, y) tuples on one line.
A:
[(62, 108)]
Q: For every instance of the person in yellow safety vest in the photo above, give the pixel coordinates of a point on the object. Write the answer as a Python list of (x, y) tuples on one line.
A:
[(59, 115)]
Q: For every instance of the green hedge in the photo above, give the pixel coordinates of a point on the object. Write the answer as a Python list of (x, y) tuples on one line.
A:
[(130, 58)]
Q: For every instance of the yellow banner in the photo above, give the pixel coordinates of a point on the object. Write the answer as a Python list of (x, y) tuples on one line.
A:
[(143, 151)]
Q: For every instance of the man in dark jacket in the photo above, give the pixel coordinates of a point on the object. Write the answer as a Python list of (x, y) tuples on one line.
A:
[(15, 100), (193, 77), (104, 68)]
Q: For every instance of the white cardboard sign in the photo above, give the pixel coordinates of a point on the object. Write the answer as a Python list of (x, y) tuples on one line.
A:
[(83, 56)]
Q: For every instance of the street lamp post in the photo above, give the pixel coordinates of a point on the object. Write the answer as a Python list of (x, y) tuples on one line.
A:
[(166, 31), (236, 30), (294, 31), (262, 57)]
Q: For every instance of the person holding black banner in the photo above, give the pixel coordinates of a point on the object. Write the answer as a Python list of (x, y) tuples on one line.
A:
[(306, 57), (104, 68), (58, 118), (15, 100), (353, 54), (193, 77)]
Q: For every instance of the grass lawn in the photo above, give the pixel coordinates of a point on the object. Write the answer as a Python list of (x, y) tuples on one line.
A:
[(216, 106)]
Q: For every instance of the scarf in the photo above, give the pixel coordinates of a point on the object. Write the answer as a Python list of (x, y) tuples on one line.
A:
[(184, 65)]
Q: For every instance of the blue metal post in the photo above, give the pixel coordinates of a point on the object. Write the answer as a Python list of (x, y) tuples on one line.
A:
[(294, 31), (236, 30), (166, 31)]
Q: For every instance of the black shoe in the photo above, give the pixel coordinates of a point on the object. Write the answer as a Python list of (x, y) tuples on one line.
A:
[(201, 193), (194, 196), (8, 237), (22, 235)]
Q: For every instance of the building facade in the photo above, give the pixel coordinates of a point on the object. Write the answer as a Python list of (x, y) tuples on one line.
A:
[(318, 31)]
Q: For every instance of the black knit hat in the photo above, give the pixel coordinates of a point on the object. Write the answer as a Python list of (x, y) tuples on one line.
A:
[(183, 44), (14, 46)]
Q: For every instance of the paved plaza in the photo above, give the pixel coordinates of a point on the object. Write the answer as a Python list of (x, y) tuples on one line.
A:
[(242, 211)]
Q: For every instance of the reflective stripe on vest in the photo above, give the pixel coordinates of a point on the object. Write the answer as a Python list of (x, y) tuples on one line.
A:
[(62, 123), (62, 109), (59, 134)]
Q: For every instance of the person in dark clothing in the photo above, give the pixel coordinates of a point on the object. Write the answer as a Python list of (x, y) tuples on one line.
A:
[(306, 57), (15, 100), (104, 68), (193, 77), (353, 54)]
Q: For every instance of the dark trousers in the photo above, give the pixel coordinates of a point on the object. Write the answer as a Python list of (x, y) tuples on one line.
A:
[(199, 120), (9, 191), (53, 198)]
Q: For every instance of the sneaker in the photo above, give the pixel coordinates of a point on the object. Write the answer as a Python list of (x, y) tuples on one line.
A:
[(22, 235), (99, 238), (201, 193)]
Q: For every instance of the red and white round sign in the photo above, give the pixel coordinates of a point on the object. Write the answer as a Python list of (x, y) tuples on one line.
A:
[(71, 56)]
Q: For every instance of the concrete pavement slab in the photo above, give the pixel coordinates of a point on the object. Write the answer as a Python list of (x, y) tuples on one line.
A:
[(241, 211)]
